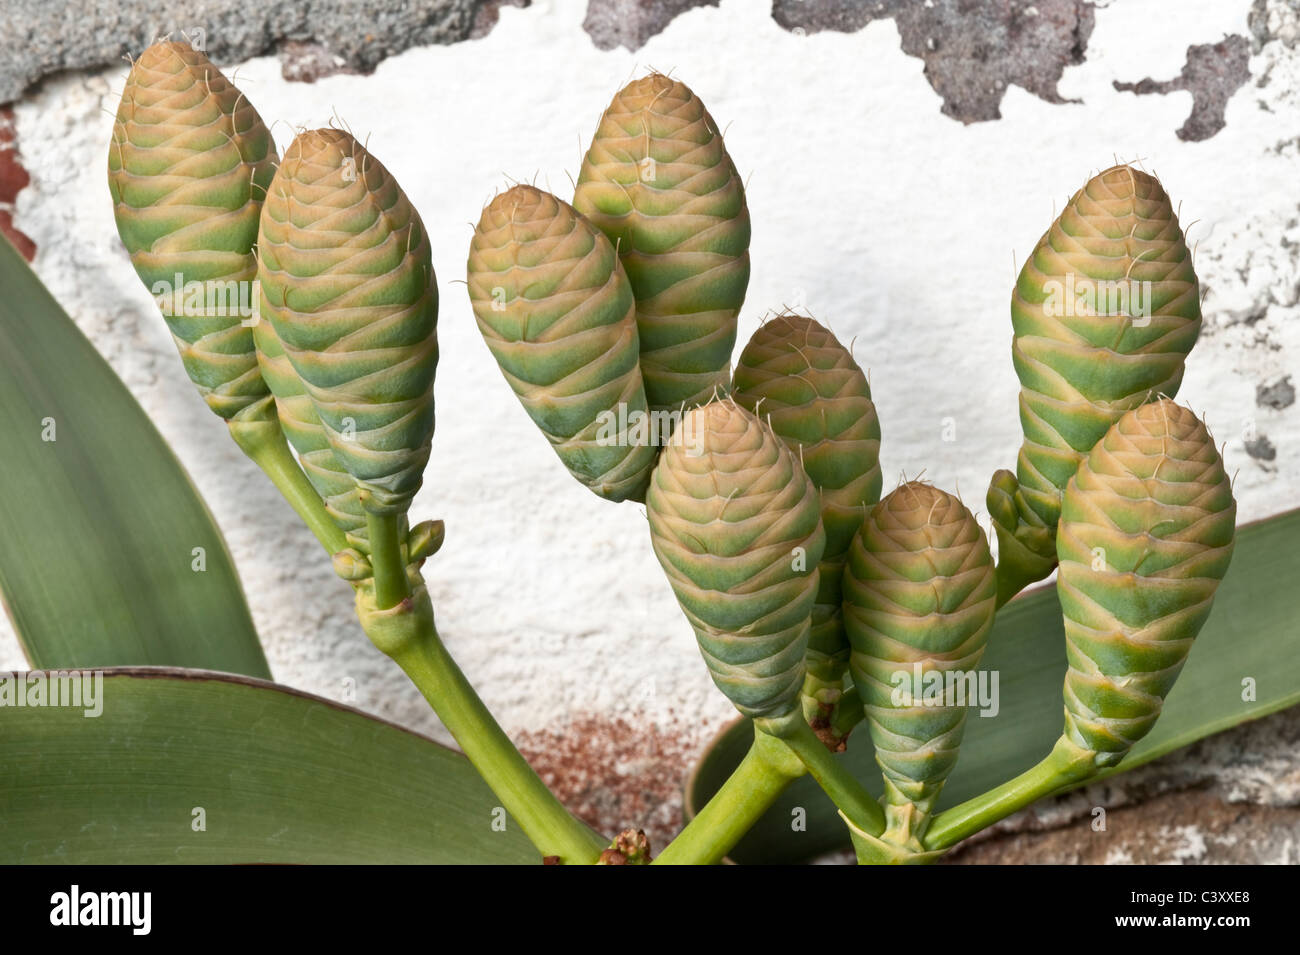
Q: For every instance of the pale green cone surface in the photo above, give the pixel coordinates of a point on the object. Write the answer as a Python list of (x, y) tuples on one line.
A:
[(557, 313), (658, 181), (919, 591), (302, 427), (1146, 534), (188, 168), (798, 377), (736, 525), (1083, 364), (348, 286)]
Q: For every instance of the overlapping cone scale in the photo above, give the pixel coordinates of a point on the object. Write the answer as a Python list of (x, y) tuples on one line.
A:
[(188, 167), (1104, 312), (348, 287), (735, 524), (557, 313), (919, 596), (658, 181), (1146, 534), (800, 379), (305, 432)]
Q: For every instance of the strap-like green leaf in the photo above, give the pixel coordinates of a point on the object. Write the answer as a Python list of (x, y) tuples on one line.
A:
[(187, 766), (102, 529), (1250, 635)]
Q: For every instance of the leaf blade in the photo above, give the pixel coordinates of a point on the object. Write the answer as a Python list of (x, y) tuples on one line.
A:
[(1249, 633), (282, 777), (101, 523)]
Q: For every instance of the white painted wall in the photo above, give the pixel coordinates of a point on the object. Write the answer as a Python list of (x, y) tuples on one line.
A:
[(891, 222)]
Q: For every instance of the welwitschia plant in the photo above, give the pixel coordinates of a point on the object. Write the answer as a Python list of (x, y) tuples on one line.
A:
[(919, 594), (1105, 311), (1136, 591), (799, 378), (188, 169), (658, 181), (736, 524), (1145, 536), (556, 309), (303, 300)]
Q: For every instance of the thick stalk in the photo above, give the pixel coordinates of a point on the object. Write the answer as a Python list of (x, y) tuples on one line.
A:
[(1064, 765), (760, 778), (852, 798), (523, 795), (391, 583), (848, 713), (265, 445)]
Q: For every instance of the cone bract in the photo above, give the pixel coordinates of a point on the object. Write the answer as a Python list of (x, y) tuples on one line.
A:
[(1146, 534), (188, 168), (658, 182), (795, 375), (919, 597), (557, 312), (348, 287), (302, 427), (736, 525), (1105, 311)]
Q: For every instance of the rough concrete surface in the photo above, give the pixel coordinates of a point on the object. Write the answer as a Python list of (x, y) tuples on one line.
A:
[(972, 51), (40, 37), (1212, 74), (1231, 798), (871, 208), (631, 23)]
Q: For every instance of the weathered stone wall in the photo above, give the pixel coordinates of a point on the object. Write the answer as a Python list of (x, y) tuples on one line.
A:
[(902, 156)]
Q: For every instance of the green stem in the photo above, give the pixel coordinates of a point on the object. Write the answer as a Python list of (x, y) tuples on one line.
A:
[(523, 795), (845, 791), (391, 583), (749, 792), (264, 443), (848, 713), (1064, 765)]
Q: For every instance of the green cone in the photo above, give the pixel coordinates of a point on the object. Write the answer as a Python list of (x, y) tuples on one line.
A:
[(658, 182), (735, 523), (348, 286), (188, 168), (557, 312), (919, 596), (302, 427), (797, 376), (1146, 534), (1105, 311)]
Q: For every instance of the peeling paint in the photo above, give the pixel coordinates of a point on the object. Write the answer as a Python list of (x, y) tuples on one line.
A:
[(306, 62), (1212, 73), (630, 23), (972, 52), (1278, 395), (13, 179), (1261, 448), (41, 37)]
